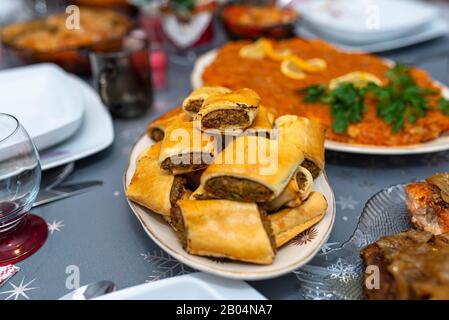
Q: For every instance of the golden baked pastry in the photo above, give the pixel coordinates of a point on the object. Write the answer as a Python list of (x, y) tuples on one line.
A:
[(289, 222), (308, 136), (297, 190), (156, 129), (252, 168), (263, 123), (192, 104), (229, 112), (186, 149), (222, 228), (153, 187)]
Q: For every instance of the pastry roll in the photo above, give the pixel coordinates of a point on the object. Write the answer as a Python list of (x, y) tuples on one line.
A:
[(308, 136), (297, 190), (192, 104), (252, 169), (153, 187), (229, 113), (222, 228), (263, 123), (186, 149), (289, 222), (156, 129)]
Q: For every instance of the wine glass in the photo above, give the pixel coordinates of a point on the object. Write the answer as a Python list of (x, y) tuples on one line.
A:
[(21, 233)]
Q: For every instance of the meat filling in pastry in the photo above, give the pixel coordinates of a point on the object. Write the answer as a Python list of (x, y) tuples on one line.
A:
[(265, 172), (229, 112), (194, 101), (186, 149), (156, 129), (226, 229)]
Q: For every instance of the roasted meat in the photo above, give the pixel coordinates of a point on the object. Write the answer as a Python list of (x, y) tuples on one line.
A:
[(413, 265), (427, 209)]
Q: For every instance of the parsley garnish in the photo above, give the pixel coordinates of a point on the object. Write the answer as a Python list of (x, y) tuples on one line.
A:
[(443, 105), (398, 102), (346, 101)]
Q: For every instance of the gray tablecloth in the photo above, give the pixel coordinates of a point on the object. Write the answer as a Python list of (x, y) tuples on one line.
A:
[(97, 234)]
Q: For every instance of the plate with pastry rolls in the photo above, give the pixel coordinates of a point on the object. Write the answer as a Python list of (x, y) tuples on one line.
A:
[(230, 190)]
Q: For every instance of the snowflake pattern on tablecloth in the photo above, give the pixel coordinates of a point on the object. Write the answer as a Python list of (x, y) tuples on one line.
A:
[(342, 271), (328, 246), (305, 237), (55, 226), (347, 203), (19, 291), (164, 266), (317, 294)]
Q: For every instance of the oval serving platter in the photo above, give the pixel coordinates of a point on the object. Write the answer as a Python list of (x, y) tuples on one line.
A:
[(290, 257), (439, 144)]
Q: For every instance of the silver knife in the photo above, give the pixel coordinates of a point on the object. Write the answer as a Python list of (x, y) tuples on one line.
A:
[(61, 192)]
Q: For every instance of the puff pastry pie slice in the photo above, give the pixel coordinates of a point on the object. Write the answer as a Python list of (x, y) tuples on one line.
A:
[(229, 113), (192, 104), (156, 129), (186, 149), (297, 190), (289, 222), (222, 228), (252, 169), (308, 136), (263, 123), (153, 187)]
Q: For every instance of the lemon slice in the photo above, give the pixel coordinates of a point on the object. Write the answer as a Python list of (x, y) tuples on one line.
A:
[(311, 65), (255, 50), (279, 54), (358, 78), (290, 69)]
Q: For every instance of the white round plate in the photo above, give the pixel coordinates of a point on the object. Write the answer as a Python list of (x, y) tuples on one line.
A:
[(439, 144), (87, 140), (39, 96), (357, 22), (290, 257)]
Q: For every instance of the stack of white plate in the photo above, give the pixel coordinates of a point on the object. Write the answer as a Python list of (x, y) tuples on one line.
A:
[(370, 25), (63, 115)]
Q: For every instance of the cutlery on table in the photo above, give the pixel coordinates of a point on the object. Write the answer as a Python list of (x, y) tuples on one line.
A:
[(66, 191), (51, 190), (91, 291)]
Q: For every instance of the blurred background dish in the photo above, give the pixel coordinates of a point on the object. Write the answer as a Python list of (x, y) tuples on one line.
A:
[(437, 28), (48, 39), (255, 19), (362, 22), (110, 4)]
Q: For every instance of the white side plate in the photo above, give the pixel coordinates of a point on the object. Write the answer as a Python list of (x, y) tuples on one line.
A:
[(355, 21), (88, 139), (196, 286), (288, 258), (439, 144), (433, 30), (41, 99)]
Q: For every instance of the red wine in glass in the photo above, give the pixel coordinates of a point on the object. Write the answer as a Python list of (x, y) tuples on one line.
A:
[(21, 233)]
